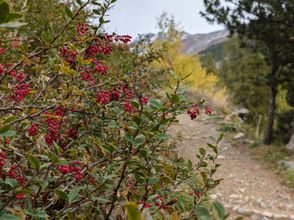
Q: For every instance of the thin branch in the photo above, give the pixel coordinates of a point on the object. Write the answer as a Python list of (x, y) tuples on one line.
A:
[(116, 189)]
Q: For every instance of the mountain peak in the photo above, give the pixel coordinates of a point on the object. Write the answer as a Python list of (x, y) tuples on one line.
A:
[(195, 43)]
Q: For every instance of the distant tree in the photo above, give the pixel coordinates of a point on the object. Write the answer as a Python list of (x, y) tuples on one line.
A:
[(243, 72), (208, 62), (271, 24), (182, 64)]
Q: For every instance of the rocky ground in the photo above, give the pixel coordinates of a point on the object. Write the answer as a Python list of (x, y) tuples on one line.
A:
[(248, 189)]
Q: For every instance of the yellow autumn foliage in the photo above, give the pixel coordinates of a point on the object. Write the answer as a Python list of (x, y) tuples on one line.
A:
[(200, 82)]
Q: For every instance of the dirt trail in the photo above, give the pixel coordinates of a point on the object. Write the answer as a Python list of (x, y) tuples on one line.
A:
[(248, 189)]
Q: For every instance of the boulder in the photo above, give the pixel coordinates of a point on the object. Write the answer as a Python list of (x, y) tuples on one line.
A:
[(290, 145), (238, 136), (287, 164)]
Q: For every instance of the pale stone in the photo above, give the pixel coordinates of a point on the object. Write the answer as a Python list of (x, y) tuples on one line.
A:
[(239, 136), (290, 145)]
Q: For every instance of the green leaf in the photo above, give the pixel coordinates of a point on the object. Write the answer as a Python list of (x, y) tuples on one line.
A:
[(202, 213), (40, 214), (220, 209), (4, 10), (161, 136), (35, 163), (95, 2), (53, 157), (189, 164), (143, 153), (213, 147), (5, 132), (221, 136), (10, 119), (11, 16), (135, 104), (61, 195), (7, 216), (4, 129), (133, 211), (155, 103), (101, 20), (5, 15), (8, 134), (97, 12), (68, 12), (73, 194), (175, 98), (11, 182), (129, 138), (137, 120), (138, 142), (203, 164), (204, 177), (79, 2), (202, 151)]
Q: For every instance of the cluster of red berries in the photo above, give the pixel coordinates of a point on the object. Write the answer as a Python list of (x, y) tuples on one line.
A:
[(127, 92), (159, 202), (2, 50), (104, 45), (54, 127), (74, 168), (2, 69), (33, 130), (128, 107), (2, 158), (20, 196), (20, 91), (194, 111), (98, 48), (101, 68), (82, 29), (197, 195), (118, 38), (18, 76), (68, 54), (53, 124), (86, 75), (13, 172), (105, 97), (98, 66), (73, 133)]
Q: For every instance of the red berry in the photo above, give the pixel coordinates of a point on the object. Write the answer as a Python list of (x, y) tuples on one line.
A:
[(33, 130), (82, 29), (20, 196), (144, 100)]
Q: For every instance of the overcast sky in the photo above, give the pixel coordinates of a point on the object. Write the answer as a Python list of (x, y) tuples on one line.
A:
[(139, 16)]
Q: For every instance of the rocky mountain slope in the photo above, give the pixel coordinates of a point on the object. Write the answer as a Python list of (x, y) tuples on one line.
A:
[(196, 43)]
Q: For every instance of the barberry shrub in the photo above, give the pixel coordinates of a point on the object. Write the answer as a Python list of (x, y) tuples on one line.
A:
[(82, 136)]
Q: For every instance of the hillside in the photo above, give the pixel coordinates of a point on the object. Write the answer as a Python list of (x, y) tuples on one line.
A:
[(196, 43)]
